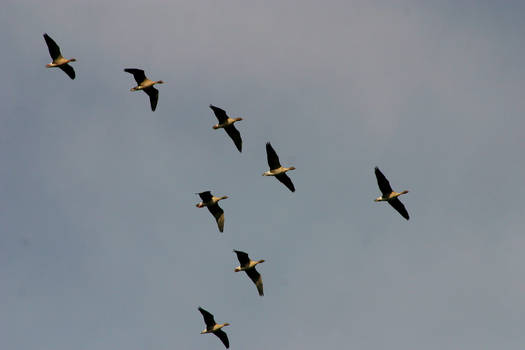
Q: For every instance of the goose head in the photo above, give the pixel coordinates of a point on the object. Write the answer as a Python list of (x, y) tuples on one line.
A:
[(72, 60), (378, 199), (159, 82)]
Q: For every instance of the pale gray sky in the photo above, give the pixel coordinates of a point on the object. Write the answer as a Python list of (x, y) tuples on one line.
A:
[(102, 246)]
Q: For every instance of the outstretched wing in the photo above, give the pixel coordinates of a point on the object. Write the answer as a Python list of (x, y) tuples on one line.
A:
[(382, 182), (153, 97), (53, 48), (257, 279), (397, 205), (218, 214), (138, 74), (205, 196), (243, 257), (208, 318), (68, 70), (286, 181), (223, 337), (219, 113), (235, 135), (273, 159)]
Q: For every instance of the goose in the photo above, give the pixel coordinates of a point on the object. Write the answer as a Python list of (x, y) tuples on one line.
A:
[(215, 328), (276, 169), (388, 195), (145, 85), (212, 203), (248, 266), (227, 124), (58, 60)]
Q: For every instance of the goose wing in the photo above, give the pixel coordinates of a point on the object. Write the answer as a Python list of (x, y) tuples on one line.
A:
[(208, 318), (220, 114), (68, 70), (53, 48), (223, 337), (382, 182), (205, 196), (257, 279), (235, 136), (138, 74), (243, 257), (218, 214), (273, 158), (153, 97), (397, 205), (286, 181)]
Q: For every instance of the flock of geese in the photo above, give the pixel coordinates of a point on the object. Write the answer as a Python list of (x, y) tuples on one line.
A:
[(212, 202)]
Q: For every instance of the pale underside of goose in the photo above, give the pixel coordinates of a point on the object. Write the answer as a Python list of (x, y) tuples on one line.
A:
[(248, 266), (227, 124), (58, 60), (276, 169), (212, 203), (145, 85), (388, 195), (213, 327)]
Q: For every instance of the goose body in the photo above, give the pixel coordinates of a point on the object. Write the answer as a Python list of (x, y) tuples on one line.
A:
[(248, 266), (389, 195), (145, 85), (213, 327), (212, 203), (227, 124), (58, 60), (276, 169)]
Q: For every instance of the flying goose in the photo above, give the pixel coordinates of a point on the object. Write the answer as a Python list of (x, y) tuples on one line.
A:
[(146, 85), (248, 266), (389, 195), (212, 327), (227, 124), (58, 60), (212, 203), (276, 169)]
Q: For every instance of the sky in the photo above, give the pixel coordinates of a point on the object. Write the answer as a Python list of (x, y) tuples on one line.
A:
[(102, 247)]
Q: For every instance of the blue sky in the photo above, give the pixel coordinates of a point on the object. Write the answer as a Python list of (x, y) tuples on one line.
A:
[(102, 246)]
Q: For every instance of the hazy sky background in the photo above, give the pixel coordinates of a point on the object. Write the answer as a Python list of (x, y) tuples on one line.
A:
[(101, 246)]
